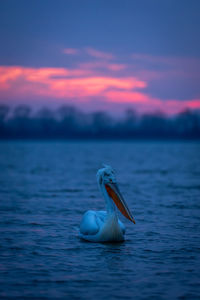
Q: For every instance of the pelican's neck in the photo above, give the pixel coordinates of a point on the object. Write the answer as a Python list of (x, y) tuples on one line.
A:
[(110, 206)]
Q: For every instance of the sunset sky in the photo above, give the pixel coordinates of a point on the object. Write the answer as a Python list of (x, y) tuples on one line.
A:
[(101, 55)]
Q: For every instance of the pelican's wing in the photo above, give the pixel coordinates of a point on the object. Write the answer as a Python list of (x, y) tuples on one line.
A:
[(90, 223)]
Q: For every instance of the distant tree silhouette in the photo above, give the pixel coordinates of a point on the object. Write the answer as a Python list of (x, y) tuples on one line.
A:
[(45, 123), (101, 124), (128, 127), (187, 124), (153, 125), (67, 122), (70, 122), (20, 125), (4, 110)]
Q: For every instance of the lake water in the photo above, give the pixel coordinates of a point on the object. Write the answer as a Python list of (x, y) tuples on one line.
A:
[(45, 187)]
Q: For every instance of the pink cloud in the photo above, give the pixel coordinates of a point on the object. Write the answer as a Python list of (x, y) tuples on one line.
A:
[(83, 86), (116, 67), (60, 82), (143, 102), (158, 59), (99, 54), (126, 96), (99, 65), (71, 51), (180, 66)]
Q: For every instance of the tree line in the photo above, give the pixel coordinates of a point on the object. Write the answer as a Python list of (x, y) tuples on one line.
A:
[(67, 122)]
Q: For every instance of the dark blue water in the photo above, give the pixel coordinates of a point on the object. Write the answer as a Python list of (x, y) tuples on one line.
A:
[(46, 187)]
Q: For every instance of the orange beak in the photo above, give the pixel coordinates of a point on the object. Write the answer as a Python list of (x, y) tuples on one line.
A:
[(116, 196)]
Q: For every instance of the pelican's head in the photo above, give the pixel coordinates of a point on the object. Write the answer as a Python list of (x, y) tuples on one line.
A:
[(106, 177)]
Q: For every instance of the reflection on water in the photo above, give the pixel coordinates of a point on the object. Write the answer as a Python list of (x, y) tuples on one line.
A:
[(46, 187)]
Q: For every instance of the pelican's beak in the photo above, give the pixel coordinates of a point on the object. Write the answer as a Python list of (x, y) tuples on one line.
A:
[(114, 193)]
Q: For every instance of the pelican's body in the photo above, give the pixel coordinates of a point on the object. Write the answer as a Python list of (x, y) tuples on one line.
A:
[(98, 226), (104, 226)]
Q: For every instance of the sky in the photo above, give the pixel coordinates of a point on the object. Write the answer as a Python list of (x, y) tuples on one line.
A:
[(101, 55)]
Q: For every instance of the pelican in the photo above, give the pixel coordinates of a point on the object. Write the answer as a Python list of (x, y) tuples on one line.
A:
[(104, 226)]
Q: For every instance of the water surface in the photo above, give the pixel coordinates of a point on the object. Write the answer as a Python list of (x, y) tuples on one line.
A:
[(45, 187)]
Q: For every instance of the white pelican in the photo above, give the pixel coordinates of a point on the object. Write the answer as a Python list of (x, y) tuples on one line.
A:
[(104, 226)]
